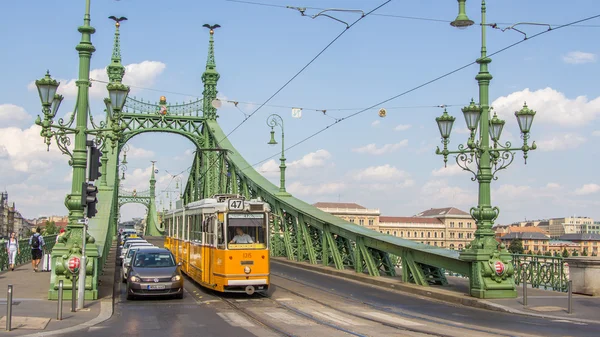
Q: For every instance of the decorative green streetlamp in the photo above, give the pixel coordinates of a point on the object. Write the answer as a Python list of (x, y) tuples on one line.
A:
[(272, 121), (491, 274), (76, 243)]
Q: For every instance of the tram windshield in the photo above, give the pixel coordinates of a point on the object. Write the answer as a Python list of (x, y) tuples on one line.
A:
[(246, 230)]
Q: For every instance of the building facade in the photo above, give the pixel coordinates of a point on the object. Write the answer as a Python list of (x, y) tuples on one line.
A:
[(352, 212), (568, 225), (11, 220)]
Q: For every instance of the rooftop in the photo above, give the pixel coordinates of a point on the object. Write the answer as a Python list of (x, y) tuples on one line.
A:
[(442, 212), (525, 236), (401, 219), (338, 205), (580, 237)]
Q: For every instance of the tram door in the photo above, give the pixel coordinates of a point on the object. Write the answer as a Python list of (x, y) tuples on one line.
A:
[(209, 229)]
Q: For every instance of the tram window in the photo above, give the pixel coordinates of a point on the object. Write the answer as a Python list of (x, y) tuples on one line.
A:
[(247, 228), (220, 236)]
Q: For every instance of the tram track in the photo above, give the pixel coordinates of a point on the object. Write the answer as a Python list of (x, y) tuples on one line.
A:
[(290, 309), (380, 308)]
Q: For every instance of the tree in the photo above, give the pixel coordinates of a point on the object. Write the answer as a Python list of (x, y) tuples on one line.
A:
[(565, 252), (516, 246), (539, 252), (547, 253), (575, 253), (50, 228), (585, 253), (594, 254), (530, 252)]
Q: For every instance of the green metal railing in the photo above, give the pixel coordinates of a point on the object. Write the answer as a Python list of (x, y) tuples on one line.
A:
[(25, 256), (545, 272)]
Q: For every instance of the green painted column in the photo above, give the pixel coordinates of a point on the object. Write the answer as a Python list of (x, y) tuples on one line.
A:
[(210, 77), (491, 263), (70, 244), (152, 217)]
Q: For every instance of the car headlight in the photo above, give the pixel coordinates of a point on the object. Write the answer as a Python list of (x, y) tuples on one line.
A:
[(175, 278), (247, 270), (134, 279)]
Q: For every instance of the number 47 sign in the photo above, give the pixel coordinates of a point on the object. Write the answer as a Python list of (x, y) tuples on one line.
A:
[(235, 204)]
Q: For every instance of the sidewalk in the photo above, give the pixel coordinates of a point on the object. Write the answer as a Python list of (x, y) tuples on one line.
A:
[(541, 303), (34, 315)]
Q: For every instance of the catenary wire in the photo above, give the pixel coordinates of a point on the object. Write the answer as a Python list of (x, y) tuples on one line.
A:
[(421, 86), (235, 102), (389, 15), (306, 66)]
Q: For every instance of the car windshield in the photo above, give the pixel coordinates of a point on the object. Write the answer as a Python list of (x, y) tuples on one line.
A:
[(153, 260)]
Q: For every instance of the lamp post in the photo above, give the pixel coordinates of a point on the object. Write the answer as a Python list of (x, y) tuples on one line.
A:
[(272, 121), (492, 271), (64, 131)]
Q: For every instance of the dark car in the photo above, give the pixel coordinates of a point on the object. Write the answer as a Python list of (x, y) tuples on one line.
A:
[(153, 272)]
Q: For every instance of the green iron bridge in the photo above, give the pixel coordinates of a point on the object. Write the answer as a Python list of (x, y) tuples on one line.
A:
[(300, 231)]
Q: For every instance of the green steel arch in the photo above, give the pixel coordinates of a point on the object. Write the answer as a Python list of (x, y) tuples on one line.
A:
[(299, 231)]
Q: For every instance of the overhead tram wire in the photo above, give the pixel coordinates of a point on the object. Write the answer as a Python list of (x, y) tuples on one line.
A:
[(423, 85), (306, 66), (235, 102), (389, 15)]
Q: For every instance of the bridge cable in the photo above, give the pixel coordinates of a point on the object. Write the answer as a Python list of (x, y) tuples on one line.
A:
[(423, 85), (306, 66)]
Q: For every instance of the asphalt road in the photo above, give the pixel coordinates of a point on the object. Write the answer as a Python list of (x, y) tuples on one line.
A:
[(206, 313), (405, 304)]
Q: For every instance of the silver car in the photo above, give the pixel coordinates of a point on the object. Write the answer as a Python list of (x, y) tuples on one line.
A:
[(153, 272)]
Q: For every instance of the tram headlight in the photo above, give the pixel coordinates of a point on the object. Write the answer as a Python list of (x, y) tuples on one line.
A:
[(247, 270)]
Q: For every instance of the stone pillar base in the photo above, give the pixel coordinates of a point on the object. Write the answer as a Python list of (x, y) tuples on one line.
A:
[(584, 271)]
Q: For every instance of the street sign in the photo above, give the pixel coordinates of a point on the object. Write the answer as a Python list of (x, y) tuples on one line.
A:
[(73, 264)]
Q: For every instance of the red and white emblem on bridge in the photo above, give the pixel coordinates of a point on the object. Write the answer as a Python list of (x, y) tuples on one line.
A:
[(73, 264), (163, 110), (499, 266)]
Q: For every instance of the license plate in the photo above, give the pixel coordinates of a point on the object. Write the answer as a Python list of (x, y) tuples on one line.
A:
[(155, 286)]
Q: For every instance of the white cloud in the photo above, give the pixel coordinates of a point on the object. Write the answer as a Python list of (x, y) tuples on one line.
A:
[(451, 170), (588, 189), (438, 192), (596, 133), (299, 189), (561, 142), (12, 115), (187, 155), (314, 159), (552, 186), (319, 158), (378, 173), (402, 127), (510, 192), (375, 123), (136, 74), (26, 150), (387, 148), (579, 57), (550, 105), (137, 152)]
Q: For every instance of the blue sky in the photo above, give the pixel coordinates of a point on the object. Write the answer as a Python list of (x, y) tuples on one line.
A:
[(387, 163)]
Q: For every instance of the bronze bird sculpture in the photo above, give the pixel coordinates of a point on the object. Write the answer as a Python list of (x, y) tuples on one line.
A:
[(212, 28), (117, 20)]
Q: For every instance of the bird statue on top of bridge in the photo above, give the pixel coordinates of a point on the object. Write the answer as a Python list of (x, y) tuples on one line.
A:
[(117, 20), (212, 28)]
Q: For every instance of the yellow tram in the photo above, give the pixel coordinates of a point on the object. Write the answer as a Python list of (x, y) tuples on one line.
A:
[(222, 242)]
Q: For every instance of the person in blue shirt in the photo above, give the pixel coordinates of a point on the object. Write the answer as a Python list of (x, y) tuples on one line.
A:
[(36, 241)]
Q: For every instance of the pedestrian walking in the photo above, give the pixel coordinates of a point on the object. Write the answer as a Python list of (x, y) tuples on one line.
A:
[(12, 249), (36, 242)]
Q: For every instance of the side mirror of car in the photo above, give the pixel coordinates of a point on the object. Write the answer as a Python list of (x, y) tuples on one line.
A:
[(127, 265), (179, 264)]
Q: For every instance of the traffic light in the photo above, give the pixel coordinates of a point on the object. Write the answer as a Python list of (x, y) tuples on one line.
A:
[(88, 198), (95, 164)]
